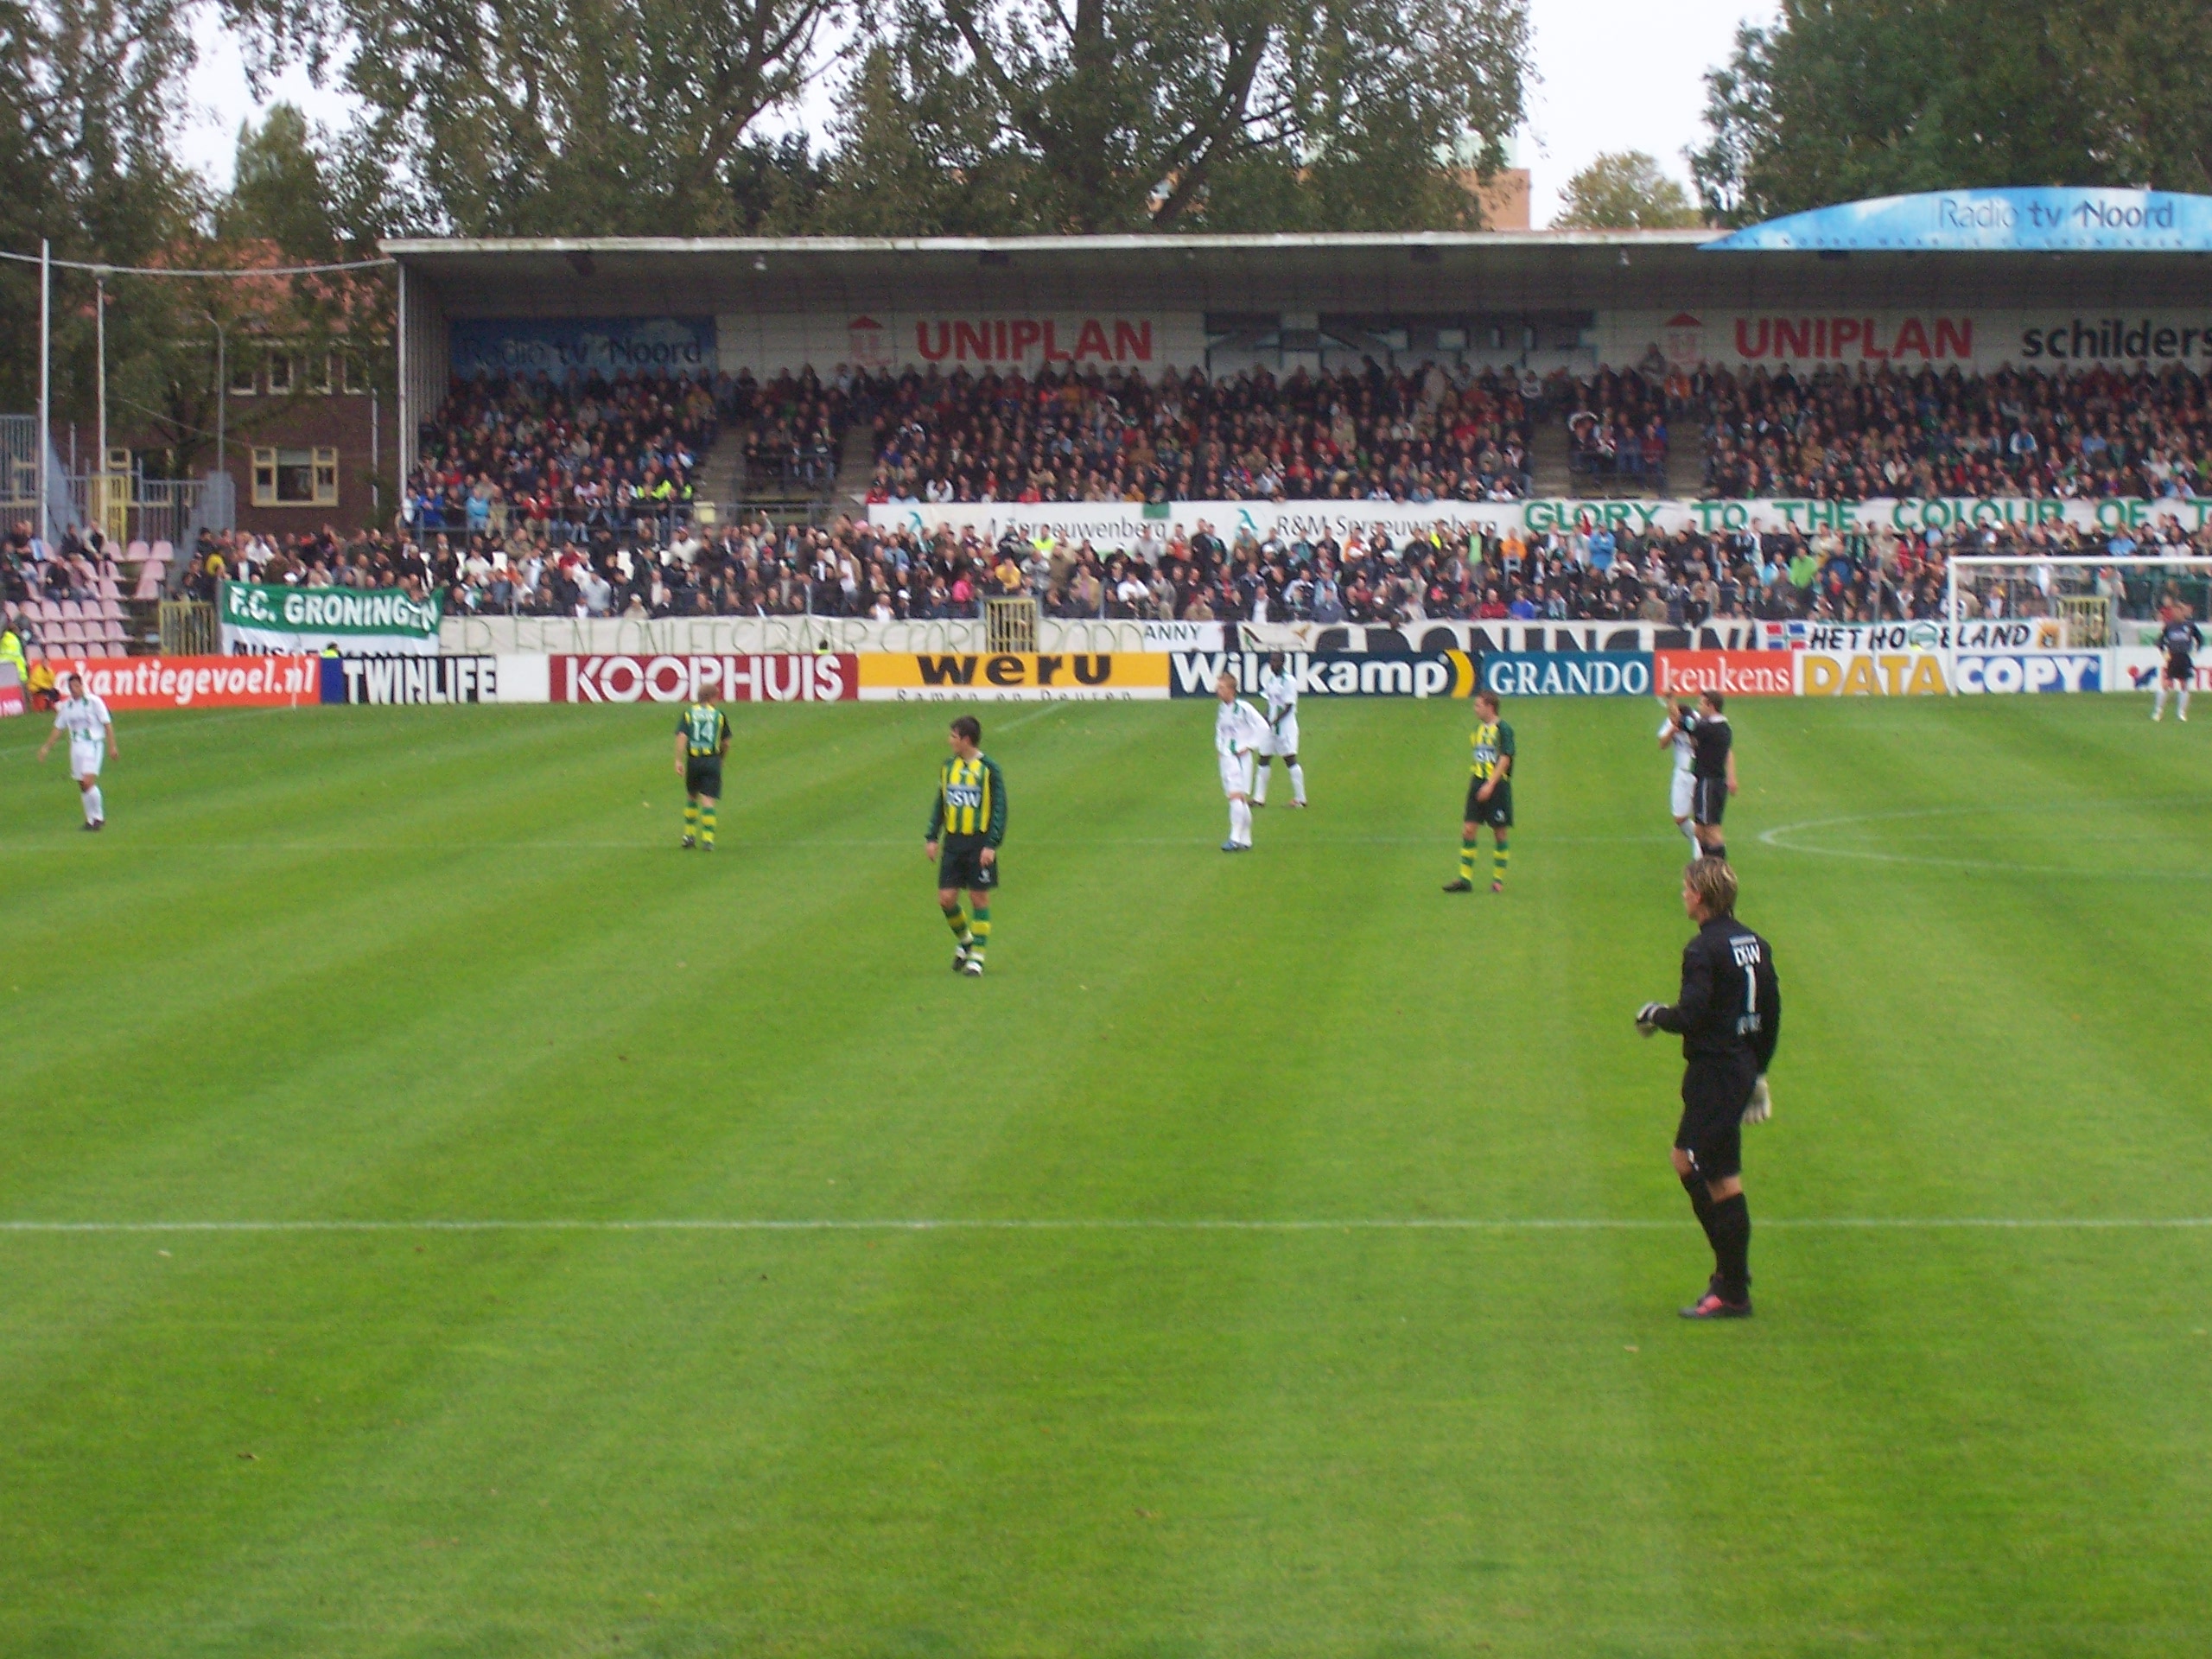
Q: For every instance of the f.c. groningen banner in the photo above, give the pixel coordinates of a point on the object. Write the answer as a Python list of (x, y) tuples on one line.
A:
[(268, 619)]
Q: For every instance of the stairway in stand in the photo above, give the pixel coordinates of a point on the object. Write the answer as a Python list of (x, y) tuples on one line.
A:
[(1547, 453), (855, 469), (721, 473)]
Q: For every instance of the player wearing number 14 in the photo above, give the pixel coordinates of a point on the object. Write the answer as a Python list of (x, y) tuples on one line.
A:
[(702, 741)]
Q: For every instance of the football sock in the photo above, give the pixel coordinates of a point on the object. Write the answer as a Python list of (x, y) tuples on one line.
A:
[(1260, 782), (690, 817), (2158, 702), (93, 806), (1701, 1203), (707, 825), (1298, 784), (1466, 861), (1240, 823), (957, 923), (1731, 1228), (981, 936), (2180, 704), (1689, 834), (1719, 849), (1497, 855)]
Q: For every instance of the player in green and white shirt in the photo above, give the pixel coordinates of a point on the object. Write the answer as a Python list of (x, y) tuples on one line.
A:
[(91, 734), (702, 741)]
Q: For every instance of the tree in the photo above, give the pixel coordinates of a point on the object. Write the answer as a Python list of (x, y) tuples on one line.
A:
[(1115, 115), (1625, 190), (84, 111), (551, 118), (1842, 99)]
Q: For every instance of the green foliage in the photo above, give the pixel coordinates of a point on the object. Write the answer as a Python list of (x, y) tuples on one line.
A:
[(1625, 190), (1842, 99), (1124, 114), (540, 118)]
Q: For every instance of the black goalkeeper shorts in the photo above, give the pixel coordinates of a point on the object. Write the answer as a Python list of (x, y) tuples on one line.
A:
[(1715, 1090)]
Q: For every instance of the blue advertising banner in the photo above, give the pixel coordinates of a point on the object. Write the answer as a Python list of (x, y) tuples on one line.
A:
[(565, 347), (2055, 220), (1567, 673)]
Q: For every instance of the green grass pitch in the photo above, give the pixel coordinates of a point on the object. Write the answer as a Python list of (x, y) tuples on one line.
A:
[(403, 966)]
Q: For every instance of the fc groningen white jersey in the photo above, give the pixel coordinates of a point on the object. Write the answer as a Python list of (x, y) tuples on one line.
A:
[(1238, 728), (85, 719), (1685, 751), (1282, 692)]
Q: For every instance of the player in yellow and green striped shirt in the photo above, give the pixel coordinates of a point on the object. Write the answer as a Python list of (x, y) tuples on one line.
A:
[(702, 741), (1490, 795), (968, 813)]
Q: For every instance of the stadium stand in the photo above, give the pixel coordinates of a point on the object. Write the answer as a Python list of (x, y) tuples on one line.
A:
[(74, 601), (1839, 435), (1357, 434)]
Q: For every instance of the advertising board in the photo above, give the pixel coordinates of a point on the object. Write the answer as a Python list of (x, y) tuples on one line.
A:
[(1328, 674), (127, 683), (826, 677), (1021, 676), (1568, 674), (1732, 673)]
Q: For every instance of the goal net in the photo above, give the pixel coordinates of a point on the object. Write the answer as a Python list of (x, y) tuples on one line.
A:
[(2075, 603)]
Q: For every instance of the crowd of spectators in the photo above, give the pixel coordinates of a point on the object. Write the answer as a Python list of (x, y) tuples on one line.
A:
[(569, 458), (1370, 434), (848, 568), (1840, 433), (1617, 426)]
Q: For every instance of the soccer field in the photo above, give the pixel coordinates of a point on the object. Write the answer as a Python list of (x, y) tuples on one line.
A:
[(442, 1219)]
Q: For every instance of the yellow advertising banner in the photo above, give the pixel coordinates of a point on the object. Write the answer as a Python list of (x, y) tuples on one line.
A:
[(1002, 676)]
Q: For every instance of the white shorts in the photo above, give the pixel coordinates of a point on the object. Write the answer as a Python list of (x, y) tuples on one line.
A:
[(1283, 740), (1236, 774), (85, 758), (1684, 789)]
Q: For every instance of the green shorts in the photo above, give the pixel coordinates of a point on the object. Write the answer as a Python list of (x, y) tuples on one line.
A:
[(702, 775), (1498, 811)]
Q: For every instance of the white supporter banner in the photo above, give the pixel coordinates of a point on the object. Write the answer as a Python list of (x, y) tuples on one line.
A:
[(1119, 526)]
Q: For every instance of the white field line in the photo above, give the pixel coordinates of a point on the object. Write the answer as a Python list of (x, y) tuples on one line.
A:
[(1109, 1224)]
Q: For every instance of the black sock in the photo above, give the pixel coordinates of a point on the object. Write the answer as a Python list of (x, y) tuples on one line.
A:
[(1702, 1202), (1732, 1246), (1719, 849)]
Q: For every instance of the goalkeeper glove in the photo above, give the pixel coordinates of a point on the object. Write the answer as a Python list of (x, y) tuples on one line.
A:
[(1647, 1017), (1762, 1106)]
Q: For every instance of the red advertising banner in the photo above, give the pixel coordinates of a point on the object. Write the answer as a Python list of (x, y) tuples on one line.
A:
[(831, 677), (194, 682), (1732, 673)]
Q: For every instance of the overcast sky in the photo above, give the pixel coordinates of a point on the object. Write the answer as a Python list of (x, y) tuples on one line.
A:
[(1614, 74)]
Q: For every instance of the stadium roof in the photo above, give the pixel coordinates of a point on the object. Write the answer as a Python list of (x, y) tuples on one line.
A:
[(1527, 271)]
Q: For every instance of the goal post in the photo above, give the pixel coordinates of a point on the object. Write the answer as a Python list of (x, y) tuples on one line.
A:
[(2089, 602)]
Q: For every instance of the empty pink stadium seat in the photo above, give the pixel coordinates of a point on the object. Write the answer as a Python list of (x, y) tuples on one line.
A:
[(137, 551), (163, 552), (112, 608)]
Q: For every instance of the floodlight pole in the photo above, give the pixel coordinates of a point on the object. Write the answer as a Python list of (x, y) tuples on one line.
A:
[(222, 394), (43, 458), (99, 280)]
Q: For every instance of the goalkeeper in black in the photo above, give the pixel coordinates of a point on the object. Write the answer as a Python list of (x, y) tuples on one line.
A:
[(1729, 1015)]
